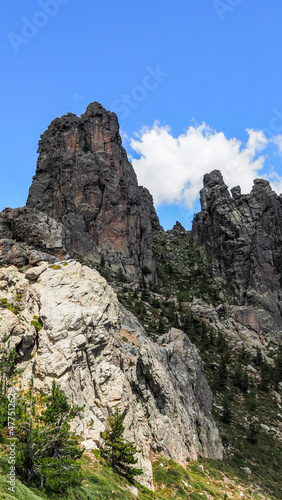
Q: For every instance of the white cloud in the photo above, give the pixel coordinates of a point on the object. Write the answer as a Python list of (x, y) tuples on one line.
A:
[(172, 168), (278, 141), (123, 135)]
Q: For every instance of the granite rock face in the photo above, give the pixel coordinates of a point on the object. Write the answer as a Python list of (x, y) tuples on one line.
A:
[(101, 357), (242, 233), (28, 236), (85, 181)]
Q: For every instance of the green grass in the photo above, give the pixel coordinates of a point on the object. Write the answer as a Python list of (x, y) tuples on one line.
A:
[(204, 479), (4, 303)]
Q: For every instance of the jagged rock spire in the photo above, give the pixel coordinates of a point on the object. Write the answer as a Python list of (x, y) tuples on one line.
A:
[(243, 235), (85, 181)]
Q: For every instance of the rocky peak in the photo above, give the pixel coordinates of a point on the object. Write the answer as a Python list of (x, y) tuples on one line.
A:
[(214, 188), (85, 181), (178, 228), (212, 179), (243, 235)]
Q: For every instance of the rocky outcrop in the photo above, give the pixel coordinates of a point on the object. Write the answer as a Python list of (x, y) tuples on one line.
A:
[(243, 236), (102, 357), (85, 181), (177, 229), (228, 320), (28, 236)]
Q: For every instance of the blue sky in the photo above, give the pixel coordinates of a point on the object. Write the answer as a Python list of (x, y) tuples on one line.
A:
[(181, 64)]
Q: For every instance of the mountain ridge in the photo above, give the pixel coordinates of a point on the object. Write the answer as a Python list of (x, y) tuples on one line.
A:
[(121, 302)]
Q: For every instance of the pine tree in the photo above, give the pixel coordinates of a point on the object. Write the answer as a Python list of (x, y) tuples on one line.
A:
[(102, 261), (46, 449), (205, 338), (121, 278), (222, 375), (278, 369), (258, 359), (222, 343), (118, 452), (227, 414), (161, 326), (241, 379), (186, 321), (7, 361), (253, 431), (266, 373), (145, 295)]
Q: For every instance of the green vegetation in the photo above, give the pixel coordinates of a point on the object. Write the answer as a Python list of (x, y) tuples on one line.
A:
[(119, 453), (146, 271), (243, 399), (56, 267), (37, 323), (243, 382), (46, 450), (205, 479), (182, 270), (8, 358), (4, 303)]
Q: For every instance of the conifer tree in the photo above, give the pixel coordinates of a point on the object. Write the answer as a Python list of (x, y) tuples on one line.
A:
[(221, 375), (258, 359), (252, 435), (46, 450), (7, 361), (278, 369), (226, 415), (266, 373), (161, 326), (118, 452), (241, 379)]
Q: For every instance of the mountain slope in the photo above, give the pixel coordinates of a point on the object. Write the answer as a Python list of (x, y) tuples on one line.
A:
[(179, 329), (102, 357)]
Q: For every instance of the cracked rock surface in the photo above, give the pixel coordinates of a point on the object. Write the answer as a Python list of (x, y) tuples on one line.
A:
[(28, 236), (102, 357)]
